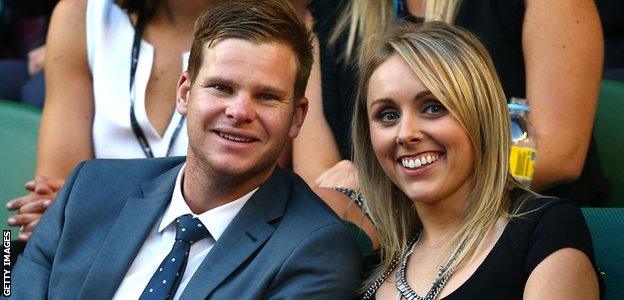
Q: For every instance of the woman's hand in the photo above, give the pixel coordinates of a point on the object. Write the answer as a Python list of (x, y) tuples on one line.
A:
[(36, 60), (343, 174), (32, 206)]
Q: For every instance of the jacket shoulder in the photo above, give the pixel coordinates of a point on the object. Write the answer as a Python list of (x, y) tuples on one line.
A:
[(131, 170)]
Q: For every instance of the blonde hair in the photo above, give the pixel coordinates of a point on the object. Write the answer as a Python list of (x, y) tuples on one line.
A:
[(456, 68), (361, 19)]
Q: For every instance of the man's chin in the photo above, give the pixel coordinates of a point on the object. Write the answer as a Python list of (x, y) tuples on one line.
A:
[(239, 170), (232, 171)]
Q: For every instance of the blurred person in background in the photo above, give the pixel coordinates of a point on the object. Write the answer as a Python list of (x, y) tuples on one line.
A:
[(89, 50), (23, 27)]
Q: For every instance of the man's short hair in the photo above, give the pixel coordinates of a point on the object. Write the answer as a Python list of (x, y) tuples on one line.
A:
[(261, 21)]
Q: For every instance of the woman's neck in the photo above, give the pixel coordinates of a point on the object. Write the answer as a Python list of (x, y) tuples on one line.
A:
[(438, 222), (180, 13), (440, 218)]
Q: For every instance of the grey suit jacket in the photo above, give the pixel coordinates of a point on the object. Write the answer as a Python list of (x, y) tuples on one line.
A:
[(285, 243)]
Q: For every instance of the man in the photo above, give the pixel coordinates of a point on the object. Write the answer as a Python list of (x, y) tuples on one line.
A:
[(225, 224)]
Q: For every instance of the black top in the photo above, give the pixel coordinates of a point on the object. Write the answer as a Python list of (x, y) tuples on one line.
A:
[(498, 24), (550, 224), (526, 241)]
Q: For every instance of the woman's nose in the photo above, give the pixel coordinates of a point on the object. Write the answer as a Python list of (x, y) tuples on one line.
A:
[(409, 132)]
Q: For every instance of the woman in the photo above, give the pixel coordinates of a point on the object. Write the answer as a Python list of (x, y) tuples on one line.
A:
[(549, 52), (432, 130), (87, 115)]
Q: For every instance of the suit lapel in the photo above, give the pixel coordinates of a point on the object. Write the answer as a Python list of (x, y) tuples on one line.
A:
[(127, 235), (248, 231)]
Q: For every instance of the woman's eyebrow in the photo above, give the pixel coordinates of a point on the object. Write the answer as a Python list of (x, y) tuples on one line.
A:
[(423, 94), (381, 101)]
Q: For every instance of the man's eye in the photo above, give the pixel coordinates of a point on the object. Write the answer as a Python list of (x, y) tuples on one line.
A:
[(221, 88), (267, 97), (433, 108)]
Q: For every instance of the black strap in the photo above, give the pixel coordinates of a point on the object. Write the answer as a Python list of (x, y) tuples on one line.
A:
[(140, 136)]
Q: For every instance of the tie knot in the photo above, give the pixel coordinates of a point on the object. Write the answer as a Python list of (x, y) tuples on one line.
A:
[(190, 229)]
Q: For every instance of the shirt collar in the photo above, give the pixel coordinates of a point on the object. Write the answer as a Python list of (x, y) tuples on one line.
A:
[(215, 220)]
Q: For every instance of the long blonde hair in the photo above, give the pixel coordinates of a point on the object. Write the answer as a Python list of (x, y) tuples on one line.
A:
[(456, 68), (361, 19)]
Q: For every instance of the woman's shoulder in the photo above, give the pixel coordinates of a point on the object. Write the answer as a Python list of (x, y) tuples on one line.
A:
[(542, 213), (537, 206), (71, 10), (548, 224), (66, 34)]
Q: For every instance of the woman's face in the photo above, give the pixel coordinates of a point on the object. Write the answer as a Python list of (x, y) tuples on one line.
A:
[(418, 143)]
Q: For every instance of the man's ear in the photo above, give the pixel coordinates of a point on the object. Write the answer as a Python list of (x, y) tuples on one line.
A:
[(183, 93), (301, 110)]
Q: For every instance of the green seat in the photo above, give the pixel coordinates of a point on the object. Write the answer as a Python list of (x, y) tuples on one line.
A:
[(609, 135), (607, 226), (19, 127)]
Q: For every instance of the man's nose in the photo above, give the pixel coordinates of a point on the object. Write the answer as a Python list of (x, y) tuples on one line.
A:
[(241, 109)]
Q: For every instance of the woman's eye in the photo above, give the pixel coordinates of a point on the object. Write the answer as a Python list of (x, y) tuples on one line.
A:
[(387, 116), (433, 108)]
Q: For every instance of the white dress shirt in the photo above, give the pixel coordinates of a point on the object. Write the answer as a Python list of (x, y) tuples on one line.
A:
[(160, 241)]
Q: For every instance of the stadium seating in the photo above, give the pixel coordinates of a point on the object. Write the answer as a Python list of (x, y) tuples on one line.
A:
[(19, 125)]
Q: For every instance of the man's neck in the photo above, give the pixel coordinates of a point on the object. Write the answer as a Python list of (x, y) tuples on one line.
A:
[(204, 190)]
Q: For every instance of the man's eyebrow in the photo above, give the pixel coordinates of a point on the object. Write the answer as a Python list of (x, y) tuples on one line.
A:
[(218, 79), (272, 90)]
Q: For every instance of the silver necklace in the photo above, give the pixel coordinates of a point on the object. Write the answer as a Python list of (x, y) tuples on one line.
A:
[(438, 283), (372, 289), (444, 274)]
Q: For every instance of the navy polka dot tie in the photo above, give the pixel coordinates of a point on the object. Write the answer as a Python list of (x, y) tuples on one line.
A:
[(166, 279)]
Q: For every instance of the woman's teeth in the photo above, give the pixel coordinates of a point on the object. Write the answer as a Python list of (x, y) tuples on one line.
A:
[(417, 162)]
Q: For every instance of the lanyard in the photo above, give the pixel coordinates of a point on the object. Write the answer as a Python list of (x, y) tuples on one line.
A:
[(140, 136)]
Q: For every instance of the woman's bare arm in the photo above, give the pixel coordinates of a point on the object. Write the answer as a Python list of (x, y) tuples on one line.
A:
[(315, 150), (565, 274), (563, 52), (65, 131)]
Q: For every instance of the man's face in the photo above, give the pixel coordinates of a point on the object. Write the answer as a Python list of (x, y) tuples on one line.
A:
[(240, 108)]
